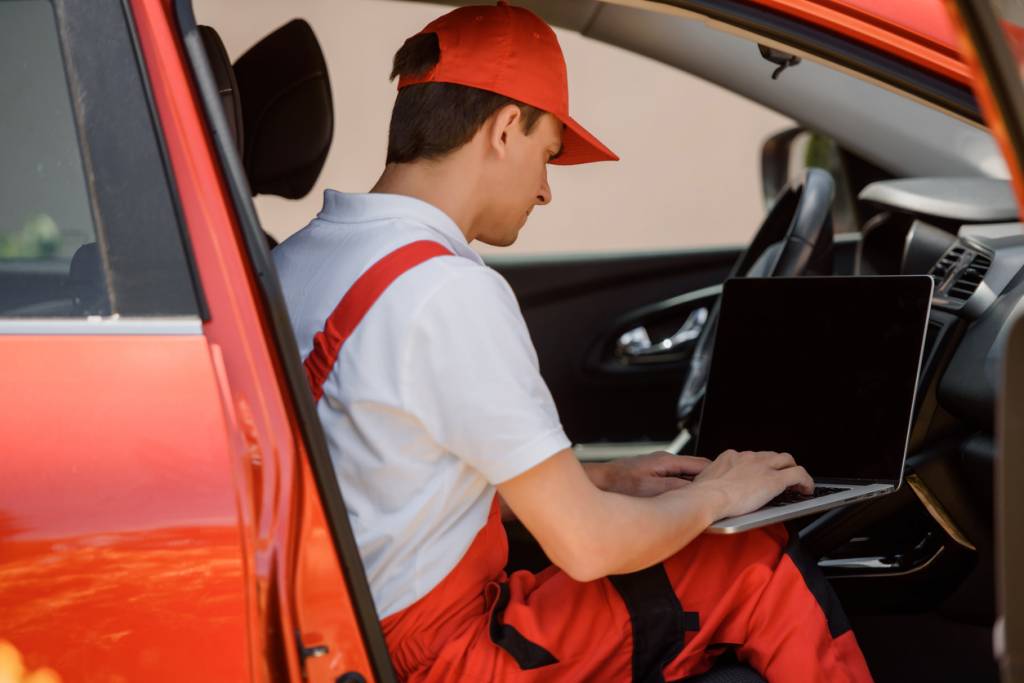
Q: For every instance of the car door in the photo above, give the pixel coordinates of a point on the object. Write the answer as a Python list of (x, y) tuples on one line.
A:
[(312, 616), (992, 39), (121, 549), (158, 516)]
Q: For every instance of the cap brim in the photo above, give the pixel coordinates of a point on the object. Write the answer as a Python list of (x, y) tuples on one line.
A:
[(580, 147)]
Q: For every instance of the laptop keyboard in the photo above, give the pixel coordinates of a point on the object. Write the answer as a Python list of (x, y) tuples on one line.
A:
[(787, 497)]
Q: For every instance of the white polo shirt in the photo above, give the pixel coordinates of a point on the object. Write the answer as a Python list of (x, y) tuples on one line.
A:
[(435, 397)]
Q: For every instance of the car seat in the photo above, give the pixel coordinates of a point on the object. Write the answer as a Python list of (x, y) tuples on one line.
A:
[(86, 284), (287, 111), (727, 670), (278, 104)]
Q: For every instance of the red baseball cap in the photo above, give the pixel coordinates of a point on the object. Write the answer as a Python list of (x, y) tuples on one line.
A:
[(512, 52)]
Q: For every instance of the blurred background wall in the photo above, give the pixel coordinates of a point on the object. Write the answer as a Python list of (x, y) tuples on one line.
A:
[(690, 169)]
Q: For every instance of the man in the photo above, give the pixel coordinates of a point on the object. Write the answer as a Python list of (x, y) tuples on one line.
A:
[(429, 391)]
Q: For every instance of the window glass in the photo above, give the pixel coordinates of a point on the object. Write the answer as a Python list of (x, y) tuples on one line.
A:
[(689, 175), (49, 263)]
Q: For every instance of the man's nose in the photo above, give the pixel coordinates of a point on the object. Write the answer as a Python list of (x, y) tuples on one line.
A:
[(544, 196)]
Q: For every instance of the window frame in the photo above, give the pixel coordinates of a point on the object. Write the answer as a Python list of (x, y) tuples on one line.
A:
[(282, 339)]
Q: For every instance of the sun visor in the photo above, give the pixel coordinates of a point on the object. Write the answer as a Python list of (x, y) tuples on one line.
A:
[(287, 112)]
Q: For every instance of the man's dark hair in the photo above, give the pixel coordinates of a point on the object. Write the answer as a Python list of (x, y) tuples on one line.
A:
[(430, 120)]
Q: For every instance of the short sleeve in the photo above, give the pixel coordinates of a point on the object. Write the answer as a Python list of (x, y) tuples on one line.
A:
[(470, 375)]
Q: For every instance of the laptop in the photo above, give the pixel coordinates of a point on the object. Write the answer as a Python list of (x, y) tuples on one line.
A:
[(824, 368)]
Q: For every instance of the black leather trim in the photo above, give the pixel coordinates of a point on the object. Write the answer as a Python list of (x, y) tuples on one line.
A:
[(227, 86), (658, 620), (528, 655)]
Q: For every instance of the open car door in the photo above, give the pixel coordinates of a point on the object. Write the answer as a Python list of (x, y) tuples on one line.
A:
[(1009, 636), (992, 33)]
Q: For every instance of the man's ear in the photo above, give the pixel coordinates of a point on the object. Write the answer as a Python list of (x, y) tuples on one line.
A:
[(502, 124)]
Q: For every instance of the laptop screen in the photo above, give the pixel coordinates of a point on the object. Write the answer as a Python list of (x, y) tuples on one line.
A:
[(823, 368)]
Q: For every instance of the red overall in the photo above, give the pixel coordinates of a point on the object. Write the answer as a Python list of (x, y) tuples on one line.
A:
[(752, 593)]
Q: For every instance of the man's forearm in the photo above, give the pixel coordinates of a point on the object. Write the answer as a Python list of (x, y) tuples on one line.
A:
[(602, 474), (629, 533), (591, 533), (597, 472)]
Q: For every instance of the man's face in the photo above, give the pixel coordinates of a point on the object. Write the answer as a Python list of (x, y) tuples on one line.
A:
[(520, 180)]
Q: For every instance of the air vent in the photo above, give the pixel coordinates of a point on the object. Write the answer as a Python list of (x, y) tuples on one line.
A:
[(947, 263), (959, 272), (968, 279)]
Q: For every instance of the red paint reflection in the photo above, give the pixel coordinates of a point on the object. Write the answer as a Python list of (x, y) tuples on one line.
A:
[(146, 605)]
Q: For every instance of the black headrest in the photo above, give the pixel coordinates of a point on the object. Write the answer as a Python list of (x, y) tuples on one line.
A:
[(286, 106), (86, 283), (225, 77)]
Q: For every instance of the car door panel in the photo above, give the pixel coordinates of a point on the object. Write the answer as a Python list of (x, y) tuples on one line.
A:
[(576, 307)]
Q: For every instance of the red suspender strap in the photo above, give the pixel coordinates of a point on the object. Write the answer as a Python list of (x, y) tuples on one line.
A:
[(356, 302)]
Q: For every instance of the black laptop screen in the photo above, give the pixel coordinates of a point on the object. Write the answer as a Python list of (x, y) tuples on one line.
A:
[(823, 368)]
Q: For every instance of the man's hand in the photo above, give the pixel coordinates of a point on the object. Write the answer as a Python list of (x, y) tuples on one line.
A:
[(745, 481), (591, 533), (648, 475)]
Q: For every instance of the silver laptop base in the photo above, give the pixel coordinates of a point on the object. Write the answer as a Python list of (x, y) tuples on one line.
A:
[(771, 515)]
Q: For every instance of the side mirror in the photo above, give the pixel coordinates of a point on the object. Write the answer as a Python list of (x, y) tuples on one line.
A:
[(788, 154), (775, 164)]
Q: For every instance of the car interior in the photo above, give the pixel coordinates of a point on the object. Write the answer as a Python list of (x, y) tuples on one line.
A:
[(923, 185)]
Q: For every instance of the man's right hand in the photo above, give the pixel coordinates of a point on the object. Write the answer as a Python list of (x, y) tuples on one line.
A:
[(746, 481)]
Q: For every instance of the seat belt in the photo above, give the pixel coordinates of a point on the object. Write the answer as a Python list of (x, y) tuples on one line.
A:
[(356, 302)]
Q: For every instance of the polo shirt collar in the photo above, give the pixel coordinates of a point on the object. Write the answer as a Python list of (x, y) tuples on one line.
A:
[(351, 207)]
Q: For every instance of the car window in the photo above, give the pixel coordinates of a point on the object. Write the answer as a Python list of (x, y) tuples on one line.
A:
[(689, 175), (46, 223), (89, 223)]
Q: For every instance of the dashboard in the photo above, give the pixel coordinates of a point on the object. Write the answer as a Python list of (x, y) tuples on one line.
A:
[(965, 233), (932, 541)]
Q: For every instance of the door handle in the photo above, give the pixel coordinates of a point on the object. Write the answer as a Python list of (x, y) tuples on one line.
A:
[(635, 346)]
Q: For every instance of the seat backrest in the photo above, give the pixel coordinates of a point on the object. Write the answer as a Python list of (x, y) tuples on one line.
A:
[(287, 111)]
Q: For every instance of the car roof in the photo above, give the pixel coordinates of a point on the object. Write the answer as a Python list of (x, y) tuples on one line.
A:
[(920, 31), (896, 130)]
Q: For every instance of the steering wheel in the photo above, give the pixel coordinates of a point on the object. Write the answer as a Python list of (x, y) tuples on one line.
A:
[(794, 239)]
